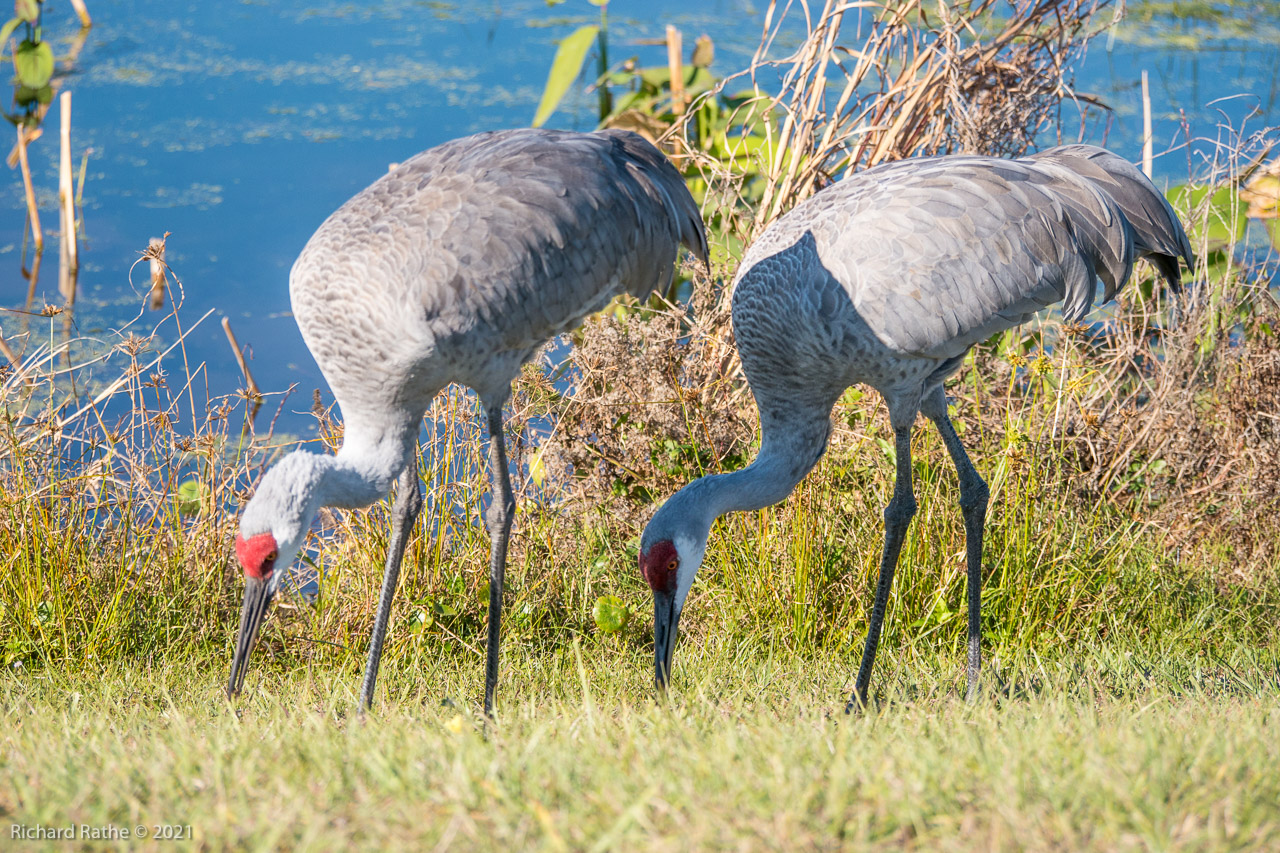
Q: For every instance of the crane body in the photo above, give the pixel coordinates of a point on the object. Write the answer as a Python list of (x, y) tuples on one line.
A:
[(456, 266), (887, 279)]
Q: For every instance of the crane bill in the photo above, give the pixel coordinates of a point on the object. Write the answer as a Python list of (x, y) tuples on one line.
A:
[(257, 595), (666, 619)]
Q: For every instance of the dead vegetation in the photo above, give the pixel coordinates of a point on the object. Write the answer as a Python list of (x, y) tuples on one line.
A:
[(874, 82)]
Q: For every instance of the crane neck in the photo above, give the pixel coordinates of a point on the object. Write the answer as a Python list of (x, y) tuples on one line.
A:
[(785, 457), (293, 490), (365, 467)]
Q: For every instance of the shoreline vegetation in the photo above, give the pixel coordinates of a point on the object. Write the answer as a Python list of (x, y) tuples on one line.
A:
[(1131, 598)]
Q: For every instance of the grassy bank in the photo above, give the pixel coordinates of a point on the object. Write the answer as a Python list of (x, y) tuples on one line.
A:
[(1107, 752)]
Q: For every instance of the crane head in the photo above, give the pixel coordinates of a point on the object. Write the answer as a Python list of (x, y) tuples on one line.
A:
[(668, 565), (258, 555), (272, 528)]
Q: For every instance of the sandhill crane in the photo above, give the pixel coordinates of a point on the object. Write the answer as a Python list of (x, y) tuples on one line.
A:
[(456, 266), (887, 279)]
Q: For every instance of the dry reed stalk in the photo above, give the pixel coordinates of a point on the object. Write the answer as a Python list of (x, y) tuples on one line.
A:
[(254, 392), (675, 64), (33, 213), (1146, 126), (83, 13), (33, 210), (155, 259), (69, 260), (9, 353)]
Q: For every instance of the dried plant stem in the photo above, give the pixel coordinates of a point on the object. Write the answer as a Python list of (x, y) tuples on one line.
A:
[(675, 63), (125, 380), (1146, 126), (252, 387), (69, 260), (33, 276), (155, 259), (33, 210), (33, 213), (83, 13), (84, 165), (9, 353)]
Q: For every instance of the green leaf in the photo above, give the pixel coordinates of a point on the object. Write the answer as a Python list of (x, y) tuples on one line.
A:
[(657, 76), (889, 450), (34, 63), (420, 620), (537, 469), (610, 614), (27, 10), (1221, 223), (189, 496), (8, 28), (564, 70)]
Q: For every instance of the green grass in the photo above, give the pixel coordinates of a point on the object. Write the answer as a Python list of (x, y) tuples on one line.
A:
[(1105, 750)]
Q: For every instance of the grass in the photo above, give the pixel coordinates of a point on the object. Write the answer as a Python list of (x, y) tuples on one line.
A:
[(1103, 753)]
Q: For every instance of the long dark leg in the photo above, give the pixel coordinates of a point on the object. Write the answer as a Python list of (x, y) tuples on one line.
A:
[(502, 507), (404, 512), (973, 503), (897, 515)]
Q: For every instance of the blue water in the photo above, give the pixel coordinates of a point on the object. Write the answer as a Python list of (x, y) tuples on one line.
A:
[(240, 126)]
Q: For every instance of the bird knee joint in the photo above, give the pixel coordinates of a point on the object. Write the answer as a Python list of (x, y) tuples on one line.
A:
[(412, 500), (900, 510), (499, 515)]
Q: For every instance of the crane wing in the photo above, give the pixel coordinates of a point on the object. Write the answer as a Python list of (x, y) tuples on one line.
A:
[(497, 242), (937, 255)]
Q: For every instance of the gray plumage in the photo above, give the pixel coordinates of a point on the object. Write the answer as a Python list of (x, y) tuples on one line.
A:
[(456, 266), (888, 278), (460, 263)]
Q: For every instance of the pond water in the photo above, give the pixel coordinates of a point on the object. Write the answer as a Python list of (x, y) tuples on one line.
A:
[(239, 126)]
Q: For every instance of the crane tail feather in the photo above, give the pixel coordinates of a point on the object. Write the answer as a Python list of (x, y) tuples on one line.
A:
[(1156, 232), (664, 178)]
